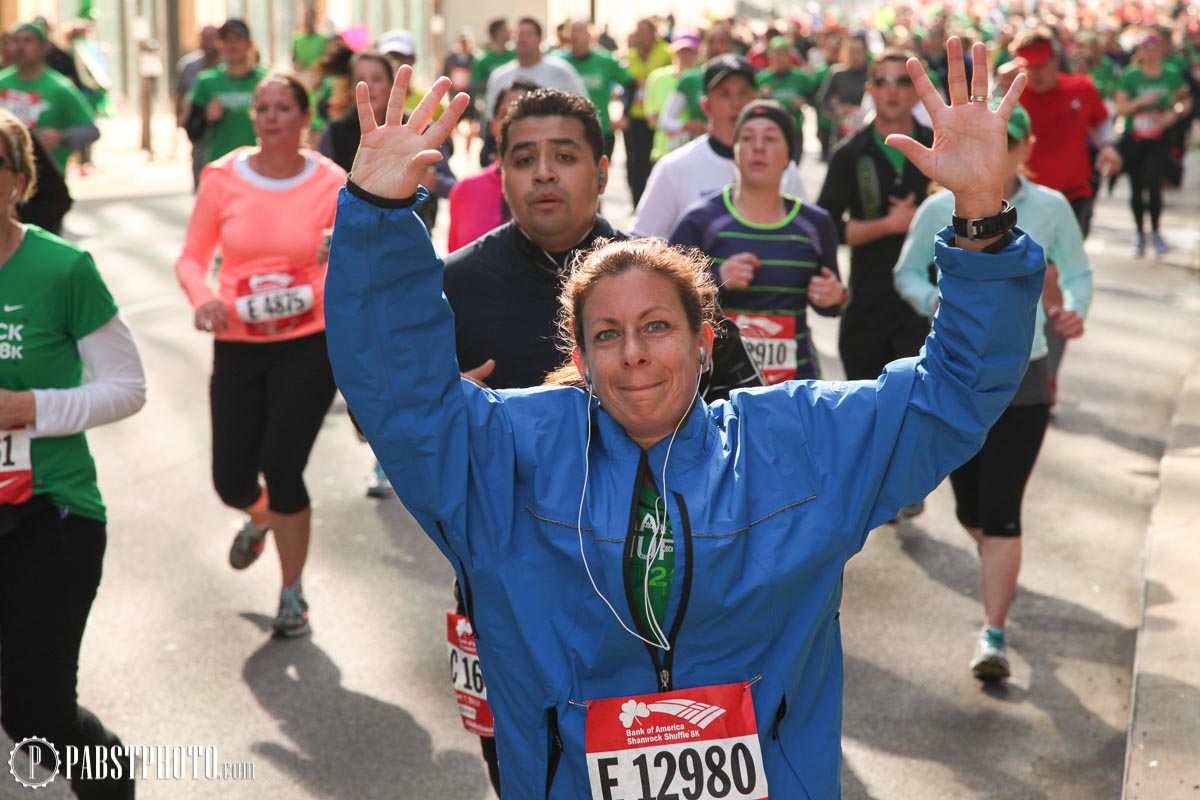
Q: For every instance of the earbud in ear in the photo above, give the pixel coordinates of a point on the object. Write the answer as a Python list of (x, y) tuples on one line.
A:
[(603, 179), (587, 378), (703, 356), (12, 196)]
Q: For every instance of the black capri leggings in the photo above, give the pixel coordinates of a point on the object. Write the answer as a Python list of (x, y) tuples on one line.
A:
[(1147, 162), (989, 488), (50, 566), (268, 403)]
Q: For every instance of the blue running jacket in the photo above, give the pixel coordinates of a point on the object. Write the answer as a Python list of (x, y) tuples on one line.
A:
[(769, 494)]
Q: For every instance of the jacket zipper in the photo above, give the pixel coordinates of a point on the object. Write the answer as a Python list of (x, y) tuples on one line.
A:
[(663, 662)]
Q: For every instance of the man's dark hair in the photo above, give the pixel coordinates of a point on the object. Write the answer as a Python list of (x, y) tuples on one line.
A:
[(889, 55), (553, 103), (537, 26), (495, 25), (518, 85)]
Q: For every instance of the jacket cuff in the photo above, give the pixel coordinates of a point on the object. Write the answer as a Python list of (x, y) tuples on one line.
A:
[(381, 202)]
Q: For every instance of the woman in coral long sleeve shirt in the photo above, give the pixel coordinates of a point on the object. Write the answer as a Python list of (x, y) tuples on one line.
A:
[(267, 210)]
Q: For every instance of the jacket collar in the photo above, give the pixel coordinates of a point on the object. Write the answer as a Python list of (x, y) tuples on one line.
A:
[(692, 445), (553, 265)]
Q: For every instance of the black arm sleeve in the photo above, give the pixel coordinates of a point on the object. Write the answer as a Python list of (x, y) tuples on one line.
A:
[(52, 200), (196, 124)]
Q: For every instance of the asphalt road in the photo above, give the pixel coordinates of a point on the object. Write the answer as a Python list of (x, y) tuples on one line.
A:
[(177, 653)]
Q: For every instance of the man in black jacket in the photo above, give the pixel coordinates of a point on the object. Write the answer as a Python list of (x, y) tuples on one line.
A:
[(504, 287), (880, 190)]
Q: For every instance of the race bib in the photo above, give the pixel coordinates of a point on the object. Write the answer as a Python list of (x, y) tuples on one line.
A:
[(1147, 126), (274, 303), (771, 341), (467, 677), (16, 467), (694, 744), (850, 123)]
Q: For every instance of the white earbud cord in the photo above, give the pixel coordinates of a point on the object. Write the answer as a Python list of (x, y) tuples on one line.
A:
[(655, 540)]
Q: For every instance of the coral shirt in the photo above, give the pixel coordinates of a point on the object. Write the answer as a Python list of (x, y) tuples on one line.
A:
[(1061, 120), (268, 232), (476, 207)]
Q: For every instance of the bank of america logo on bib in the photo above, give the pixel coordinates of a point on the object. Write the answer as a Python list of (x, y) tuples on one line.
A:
[(699, 744)]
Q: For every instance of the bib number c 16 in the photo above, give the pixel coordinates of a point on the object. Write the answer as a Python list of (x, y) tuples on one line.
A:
[(467, 676)]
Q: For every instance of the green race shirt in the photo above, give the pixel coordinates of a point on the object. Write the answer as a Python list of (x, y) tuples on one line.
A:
[(894, 156), (486, 62), (1137, 83), (53, 296), (47, 101), (308, 47), (792, 85), (599, 72), (234, 129), (662, 570)]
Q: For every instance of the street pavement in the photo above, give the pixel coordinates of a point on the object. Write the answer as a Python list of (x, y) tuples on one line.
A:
[(177, 653)]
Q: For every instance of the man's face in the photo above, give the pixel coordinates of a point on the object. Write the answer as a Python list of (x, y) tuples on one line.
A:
[(893, 92), (210, 42), (529, 43), (1044, 76), (646, 34), (236, 46), (551, 180), (858, 55), (502, 36), (781, 59), (28, 49), (581, 37), (724, 102)]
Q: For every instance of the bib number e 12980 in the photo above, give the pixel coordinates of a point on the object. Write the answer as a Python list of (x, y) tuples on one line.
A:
[(16, 466), (467, 676), (690, 744)]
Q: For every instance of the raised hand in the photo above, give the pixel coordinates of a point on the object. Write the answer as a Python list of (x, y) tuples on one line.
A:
[(970, 142), (393, 157)]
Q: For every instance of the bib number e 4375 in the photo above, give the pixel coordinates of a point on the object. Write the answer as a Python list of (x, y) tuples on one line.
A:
[(691, 744), (467, 676)]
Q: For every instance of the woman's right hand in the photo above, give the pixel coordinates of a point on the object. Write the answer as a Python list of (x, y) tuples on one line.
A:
[(737, 271), (393, 157), (212, 317)]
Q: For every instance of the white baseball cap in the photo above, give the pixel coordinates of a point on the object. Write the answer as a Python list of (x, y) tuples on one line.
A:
[(398, 41)]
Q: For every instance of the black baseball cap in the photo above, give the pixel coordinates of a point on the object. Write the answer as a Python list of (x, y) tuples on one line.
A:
[(237, 26), (721, 67), (772, 110)]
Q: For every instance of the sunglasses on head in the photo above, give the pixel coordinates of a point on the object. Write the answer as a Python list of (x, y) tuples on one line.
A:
[(886, 80)]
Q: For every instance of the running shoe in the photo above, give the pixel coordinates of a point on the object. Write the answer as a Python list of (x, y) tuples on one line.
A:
[(1160, 244), (248, 544), (292, 619), (991, 658), (1139, 249), (381, 486)]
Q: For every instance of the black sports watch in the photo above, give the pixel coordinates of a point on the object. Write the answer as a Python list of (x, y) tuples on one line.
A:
[(986, 227)]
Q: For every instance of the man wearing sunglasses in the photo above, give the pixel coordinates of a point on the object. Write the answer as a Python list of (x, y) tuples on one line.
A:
[(879, 189)]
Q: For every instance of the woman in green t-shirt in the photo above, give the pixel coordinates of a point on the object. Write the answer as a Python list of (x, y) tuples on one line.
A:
[(57, 320), (1150, 97)]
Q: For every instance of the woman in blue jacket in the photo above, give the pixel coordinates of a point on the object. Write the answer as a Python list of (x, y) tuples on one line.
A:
[(612, 673)]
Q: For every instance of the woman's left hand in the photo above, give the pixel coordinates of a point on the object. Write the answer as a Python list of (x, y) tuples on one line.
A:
[(825, 290), (970, 141), (16, 408), (212, 317)]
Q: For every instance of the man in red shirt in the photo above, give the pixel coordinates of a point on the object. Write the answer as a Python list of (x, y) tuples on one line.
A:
[(1069, 120)]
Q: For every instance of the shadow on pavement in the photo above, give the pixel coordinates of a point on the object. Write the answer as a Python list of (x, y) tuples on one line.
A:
[(345, 744), (1055, 636)]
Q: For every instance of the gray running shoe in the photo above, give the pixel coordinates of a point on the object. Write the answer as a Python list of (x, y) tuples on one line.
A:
[(292, 619), (381, 487), (1139, 249), (1160, 244), (248, 544), (991, 657)]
